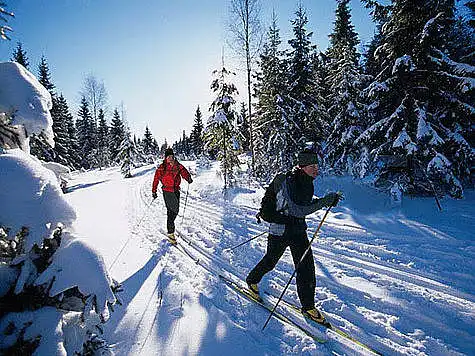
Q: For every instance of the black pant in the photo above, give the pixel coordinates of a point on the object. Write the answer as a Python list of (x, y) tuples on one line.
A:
[(172, 202), (298, 243)]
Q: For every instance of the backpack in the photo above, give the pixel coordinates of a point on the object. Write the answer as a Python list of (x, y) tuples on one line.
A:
[(270, 201)]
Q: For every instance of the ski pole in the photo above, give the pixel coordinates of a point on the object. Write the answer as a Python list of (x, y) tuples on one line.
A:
[(298, 264), (245, 242), (186, 199)]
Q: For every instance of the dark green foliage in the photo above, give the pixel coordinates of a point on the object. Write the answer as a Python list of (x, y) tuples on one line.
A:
[(345, 81), (197, 134), (19, 56), (421, 103), (117, 134)]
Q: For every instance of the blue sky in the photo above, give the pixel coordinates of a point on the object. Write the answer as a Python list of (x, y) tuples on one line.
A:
[(155, 57)]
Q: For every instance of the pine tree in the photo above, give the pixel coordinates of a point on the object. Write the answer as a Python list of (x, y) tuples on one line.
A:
[(220, 135), (86, 134), (39, 146), (147, 145), (19, 56), (116, 136), (422, 103), (308, 115), (127, 156), (345, 80), (197, 134), (103, 140), (277, 135), (72, 144), (62, 141)]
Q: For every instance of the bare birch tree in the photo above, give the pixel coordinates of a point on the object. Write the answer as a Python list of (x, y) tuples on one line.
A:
[(95, 93), (246, 30)]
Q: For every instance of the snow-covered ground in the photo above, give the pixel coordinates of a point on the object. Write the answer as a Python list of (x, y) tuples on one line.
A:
[(400, 279)]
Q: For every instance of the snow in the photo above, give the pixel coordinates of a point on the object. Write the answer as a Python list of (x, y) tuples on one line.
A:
[(32, 194), (395, 278), (25, 100)]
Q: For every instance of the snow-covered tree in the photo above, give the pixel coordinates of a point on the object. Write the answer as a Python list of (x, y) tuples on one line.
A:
[(220, 135), (345, 80), (127, 156), (86, 133), (307, 111), (117, 134), (421, 103), (277, 136), (103, 140), (62, 141), (39, 145), (44, 298)]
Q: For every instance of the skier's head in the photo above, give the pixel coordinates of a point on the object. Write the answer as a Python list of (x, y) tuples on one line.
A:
[(169, 156), (169, 152), (307, 160)]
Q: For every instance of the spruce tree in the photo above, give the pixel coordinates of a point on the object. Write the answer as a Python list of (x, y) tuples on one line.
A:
[(276, 134), (103, 140), (308, 114), (422, 104), (127, 156), (345, 79), (39, 146), (85, 134), (62, 141), (197, 134), (220, 137), (19, 56), (147, 145), (117, 135)]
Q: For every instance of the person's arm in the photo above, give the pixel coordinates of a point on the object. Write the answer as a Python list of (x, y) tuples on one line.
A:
[(301, 210), (185, 174), (156, 179)]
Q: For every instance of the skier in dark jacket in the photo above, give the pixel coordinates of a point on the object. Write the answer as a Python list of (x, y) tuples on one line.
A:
[(169, 173), (286, 202)]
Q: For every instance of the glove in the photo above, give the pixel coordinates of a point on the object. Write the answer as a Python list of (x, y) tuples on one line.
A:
[(332, 199), (154, 195), (190, 181)]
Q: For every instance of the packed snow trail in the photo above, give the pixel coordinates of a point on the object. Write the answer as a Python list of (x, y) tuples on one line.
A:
[(366, 280)]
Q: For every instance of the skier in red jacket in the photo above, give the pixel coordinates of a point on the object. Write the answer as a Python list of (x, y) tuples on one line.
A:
[(169, 173)]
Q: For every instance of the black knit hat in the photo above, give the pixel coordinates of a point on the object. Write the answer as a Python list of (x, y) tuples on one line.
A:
[(306, 158), (169, 152)]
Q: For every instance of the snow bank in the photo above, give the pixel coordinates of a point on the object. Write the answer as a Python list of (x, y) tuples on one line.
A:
[(31, 197), (91, 278)]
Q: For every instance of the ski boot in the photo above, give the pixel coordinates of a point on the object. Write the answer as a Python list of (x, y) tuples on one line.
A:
[(315, 315), (172, 238), (254, 291)]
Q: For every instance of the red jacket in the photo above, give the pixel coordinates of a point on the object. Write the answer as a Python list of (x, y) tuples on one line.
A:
[(170, 176)]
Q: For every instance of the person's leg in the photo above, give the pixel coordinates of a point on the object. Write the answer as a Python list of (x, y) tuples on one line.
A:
[(276, 246), (306, 281), (172, 202)]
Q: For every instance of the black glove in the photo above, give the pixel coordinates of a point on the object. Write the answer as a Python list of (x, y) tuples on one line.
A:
[(332, 199), (190, 181), (154, 195)]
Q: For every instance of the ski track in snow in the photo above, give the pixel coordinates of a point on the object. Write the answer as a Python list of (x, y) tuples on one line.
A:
[(365, 285)]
